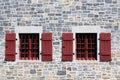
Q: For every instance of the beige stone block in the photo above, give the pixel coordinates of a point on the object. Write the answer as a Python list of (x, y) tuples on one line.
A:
[(117, 55), (79, 4), (69, 68), (26, 72), (63, 68), (53, 10), (23, 8), (6, 28), (69, 76), (100, 23), (39, 69), (108, 68), (77, 19), (34, 1), (113, 55), (45, 0), (116, 20), (90, 1), (39, 73), (106, 77), (94, 12), (72, 74)]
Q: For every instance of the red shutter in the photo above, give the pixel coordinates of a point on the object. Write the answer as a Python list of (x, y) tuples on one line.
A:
[(10, 47), (105, 47), (47, 46), (67, 46)]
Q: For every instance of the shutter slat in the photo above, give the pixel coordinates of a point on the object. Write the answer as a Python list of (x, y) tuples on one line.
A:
[(10, 46), (105, 46), (46, 46), (67, 46)]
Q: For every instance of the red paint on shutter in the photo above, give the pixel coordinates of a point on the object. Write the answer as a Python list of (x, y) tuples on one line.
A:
[(67, 46), (105, 47), (10, 46), (47, 46)]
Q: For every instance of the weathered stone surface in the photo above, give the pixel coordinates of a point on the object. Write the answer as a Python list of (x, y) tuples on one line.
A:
[(1, 28), (61, 72), (32, 71), (108, 1), (58, 16)]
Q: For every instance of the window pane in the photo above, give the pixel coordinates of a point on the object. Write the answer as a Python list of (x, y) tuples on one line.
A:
[(86, 46), (29, 46)]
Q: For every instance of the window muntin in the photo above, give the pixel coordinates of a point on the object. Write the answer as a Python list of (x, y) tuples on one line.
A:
[(29, 46), (86, 46)]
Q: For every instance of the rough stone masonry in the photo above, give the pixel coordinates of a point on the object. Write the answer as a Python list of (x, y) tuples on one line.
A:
[(59, 16)]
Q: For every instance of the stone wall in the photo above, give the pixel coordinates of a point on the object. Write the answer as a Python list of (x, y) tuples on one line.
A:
[(59, 16)]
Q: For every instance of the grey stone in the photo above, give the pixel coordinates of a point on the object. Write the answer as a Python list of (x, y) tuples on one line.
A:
[(10, 77), (117, 76), (96, 15), (58, 14), (83, 7), (55, 43), (108, 1), (98, 76), (50, 14), (115, 27), (101, 12), (90, 15), (1, 28), (47, 10), (61, 72), (77, 7), (84, 1), (98, 0), (32, 71), (42, 78), (11, 67), (114, 9), (1, 18)]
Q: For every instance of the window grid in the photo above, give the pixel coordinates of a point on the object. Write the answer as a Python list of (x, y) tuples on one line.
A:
[(29, 46), (86, 46)]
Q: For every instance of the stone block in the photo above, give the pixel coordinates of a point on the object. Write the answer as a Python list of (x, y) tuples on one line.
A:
[(32, 71), (61, 72), (1, 28), (108, 1)]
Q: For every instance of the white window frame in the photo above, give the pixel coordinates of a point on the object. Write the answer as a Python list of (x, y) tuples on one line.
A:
[(86, 29), (27, 29)]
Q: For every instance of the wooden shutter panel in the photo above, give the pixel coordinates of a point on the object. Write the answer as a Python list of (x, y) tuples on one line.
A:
[(10, 46), (67, 46), (47, 46), (105, 47)]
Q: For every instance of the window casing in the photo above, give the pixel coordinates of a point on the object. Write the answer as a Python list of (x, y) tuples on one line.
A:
[(28, 41), (93, 31)]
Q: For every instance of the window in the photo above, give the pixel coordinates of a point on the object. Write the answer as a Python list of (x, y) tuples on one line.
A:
[(29, 46), (86, 46)]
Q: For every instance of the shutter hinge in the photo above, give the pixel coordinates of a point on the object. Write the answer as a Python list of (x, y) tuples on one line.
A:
[(98, 53)]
